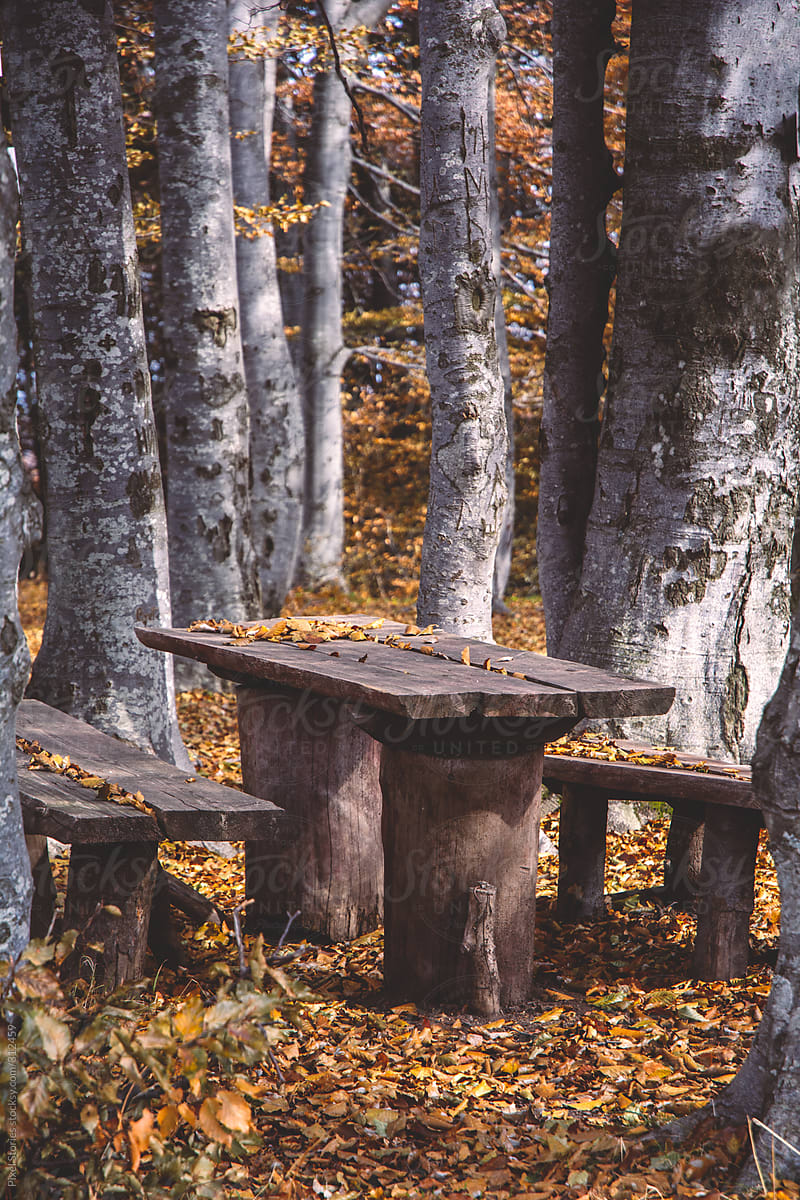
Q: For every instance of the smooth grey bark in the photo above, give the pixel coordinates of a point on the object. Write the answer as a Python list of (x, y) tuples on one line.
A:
[(467, 494), (327, 174), (16, 887), (277, 448), (686, 573), (768, 1084), (289, 242), (107, 539), (212, 565), (580, 274), (505, 545)]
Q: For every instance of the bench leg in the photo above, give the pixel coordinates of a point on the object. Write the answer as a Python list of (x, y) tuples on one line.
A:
[(304, 754), (44, 889), (726, 892), (684, 854), (449, 824), (582, 853), (123, 874)]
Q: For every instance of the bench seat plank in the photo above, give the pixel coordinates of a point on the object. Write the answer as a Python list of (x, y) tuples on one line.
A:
[(634, 781), (57, 807), (186, 808)]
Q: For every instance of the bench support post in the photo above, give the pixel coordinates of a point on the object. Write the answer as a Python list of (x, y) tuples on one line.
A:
[(44, 889), (448, 825), (726, 897), (123, 874), (683, 857), (303, 753), (581, 853)]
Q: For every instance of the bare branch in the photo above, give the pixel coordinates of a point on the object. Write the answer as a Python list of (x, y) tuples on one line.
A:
[(384, 174), (408, 110), (409, 229), (374, 355)]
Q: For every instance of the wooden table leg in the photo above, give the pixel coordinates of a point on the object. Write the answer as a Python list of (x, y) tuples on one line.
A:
[(122, 874), (44, 889), (582, 853), (726, 885), (303, 753), (449, 824)]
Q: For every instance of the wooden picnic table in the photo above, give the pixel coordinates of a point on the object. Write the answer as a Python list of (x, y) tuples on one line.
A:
[(453, 750)]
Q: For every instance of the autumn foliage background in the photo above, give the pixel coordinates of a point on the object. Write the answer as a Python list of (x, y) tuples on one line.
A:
[(299, 1081)]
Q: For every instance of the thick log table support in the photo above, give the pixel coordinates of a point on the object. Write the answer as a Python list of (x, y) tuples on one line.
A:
[(123, 875), (725, 900), (303, 753), (449, 824)]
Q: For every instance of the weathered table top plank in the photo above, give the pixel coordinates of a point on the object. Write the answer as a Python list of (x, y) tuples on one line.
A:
[(599, 693), (186, 807), (421, 686), (412, 685)]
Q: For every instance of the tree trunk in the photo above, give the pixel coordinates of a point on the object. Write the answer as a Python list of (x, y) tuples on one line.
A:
[(327, 174), (289, 242), (15, 874), (502, 562), (276, 419), (768, 1083), (212, 566), (106, 527), (686, 574), (467, 493), (326, 177), (581, 270)]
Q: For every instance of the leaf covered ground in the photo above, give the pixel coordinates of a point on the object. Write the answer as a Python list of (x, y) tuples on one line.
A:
[(363, 1099)]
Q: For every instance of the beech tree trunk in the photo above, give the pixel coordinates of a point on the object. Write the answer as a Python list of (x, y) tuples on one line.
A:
[(467, 494), (276, 420), (107, 539), (688, 545), (212, 565), (768, 1084), (580, 274), (502, 561), (327, 174), (16, 888)]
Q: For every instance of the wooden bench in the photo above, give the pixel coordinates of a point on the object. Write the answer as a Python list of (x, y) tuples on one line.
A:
[(711, 849), (113, 860)]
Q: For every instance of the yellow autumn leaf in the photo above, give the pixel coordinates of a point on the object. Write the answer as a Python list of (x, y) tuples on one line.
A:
[(188, 1020), (465, 656), (139, 1137), (207, 1120), (234, 1112), (55, 1035), (168, 1120)]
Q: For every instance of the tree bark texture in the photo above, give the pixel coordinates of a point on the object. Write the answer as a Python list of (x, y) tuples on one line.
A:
[(212, 565), (768, 1083), (106, 523), (467, 493), (580, 274), (505, 545), (276, 420), (15, 873), (327, 174), (686, 574)]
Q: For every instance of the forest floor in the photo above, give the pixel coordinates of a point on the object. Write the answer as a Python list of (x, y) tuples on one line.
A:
[(554, 1100)]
